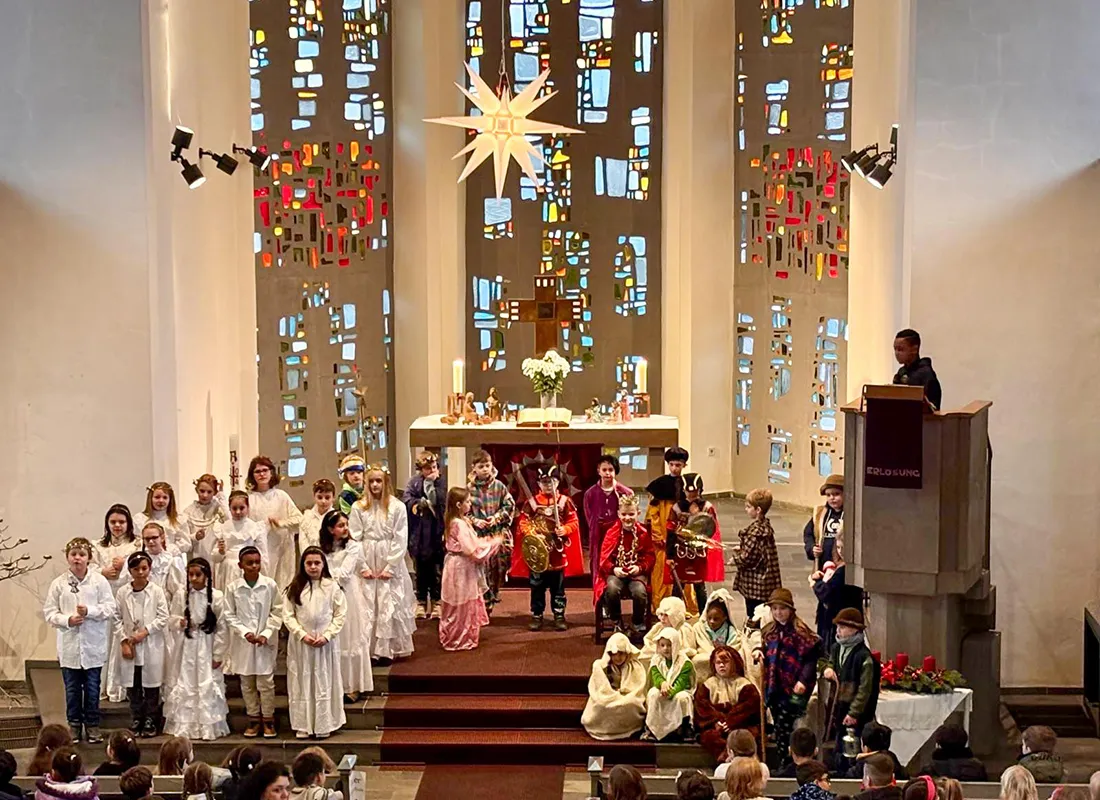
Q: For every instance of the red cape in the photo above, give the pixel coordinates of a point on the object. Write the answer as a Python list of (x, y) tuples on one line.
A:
[(571, 527)]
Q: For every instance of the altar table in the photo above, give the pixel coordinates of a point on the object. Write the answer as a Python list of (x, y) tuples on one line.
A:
[(915, 717), (654, 433)]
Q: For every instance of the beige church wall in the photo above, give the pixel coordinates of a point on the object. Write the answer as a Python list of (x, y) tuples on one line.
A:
[(75, 400), (698, 238), (1004, 187)]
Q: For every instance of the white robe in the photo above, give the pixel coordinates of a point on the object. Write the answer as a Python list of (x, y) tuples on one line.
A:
[(704, 645), (345, 565), (676, 611), (82, 646), (253, 609), (136, 610), (239, 534), (177, 537), (390, 604), (201, 520), (315, 687), (195, 706), (103, 558), (309, 529), (616, 713), (280, 541), (664, 715)]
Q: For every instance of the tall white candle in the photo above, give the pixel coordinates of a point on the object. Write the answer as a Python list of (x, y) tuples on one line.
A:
[(641, 376), (458, 381)]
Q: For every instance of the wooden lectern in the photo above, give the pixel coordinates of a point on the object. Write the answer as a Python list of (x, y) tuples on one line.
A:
[(922, 554)]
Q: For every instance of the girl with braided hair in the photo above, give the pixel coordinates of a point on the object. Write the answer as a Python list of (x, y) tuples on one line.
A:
[(196, 705)]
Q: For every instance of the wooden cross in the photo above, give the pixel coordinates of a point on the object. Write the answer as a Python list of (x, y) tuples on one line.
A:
[(549, 312)]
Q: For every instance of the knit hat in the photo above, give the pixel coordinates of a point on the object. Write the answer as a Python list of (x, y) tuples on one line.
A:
[(352, 463), (833, 482), (782, 597), (852, 617)]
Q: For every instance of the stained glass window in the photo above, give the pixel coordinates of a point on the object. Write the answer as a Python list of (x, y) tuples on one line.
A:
[(793, 112), (320, 105), (593, 221)]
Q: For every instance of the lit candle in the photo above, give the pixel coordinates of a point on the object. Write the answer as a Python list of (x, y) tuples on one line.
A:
[(641, 374), (457, 378)]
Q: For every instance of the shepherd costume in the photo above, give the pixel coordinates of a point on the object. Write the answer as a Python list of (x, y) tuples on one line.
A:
[(666, 714), (349, 495), (624, 549), (491, 502), (565, 553), (664, 495), (858, 675), (790, 655), (425, 500), (616, 695), (671, 614), (757, 561), (707, 639), (733, 700), (824, 526)]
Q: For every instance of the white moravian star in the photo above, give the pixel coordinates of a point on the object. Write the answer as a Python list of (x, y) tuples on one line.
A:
[(503, 128)]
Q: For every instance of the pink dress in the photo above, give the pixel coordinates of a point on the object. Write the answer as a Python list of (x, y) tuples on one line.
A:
[(463, 587)]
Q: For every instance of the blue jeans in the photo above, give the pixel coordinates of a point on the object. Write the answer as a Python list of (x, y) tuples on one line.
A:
[(552, 581), (82, 696)]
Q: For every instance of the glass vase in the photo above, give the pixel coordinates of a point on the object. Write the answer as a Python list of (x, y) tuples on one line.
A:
[(548, 399)]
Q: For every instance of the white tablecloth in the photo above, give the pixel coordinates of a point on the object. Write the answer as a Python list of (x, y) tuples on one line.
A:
[(915, 717)]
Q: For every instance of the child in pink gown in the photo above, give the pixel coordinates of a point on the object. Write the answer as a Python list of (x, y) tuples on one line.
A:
[(464, 586)]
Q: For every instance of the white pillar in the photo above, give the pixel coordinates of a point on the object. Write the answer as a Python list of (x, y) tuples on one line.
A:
[(430, 297), (698, 214)]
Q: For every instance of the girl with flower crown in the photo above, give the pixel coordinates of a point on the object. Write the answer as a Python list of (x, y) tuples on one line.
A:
[(381, 524)]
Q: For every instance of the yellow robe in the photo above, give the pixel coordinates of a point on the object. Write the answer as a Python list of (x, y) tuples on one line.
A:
[(657, 515)]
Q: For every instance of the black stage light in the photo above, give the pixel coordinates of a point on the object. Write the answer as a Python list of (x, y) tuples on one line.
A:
[(181, 140), (192, 174), (226, 163), (849, 161), (257, 158), (882, 173)]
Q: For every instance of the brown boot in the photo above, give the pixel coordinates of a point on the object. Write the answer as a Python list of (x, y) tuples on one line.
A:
[(253, 729), (269, 729)]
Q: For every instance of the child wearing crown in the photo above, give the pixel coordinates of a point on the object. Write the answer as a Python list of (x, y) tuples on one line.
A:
[(624, 564)]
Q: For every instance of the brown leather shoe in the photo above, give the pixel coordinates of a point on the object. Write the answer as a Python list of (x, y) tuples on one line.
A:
[(269, 729), (253, 729)]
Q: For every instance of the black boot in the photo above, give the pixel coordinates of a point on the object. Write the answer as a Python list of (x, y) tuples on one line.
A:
[(536, 623), (687, 731), (559, 623)]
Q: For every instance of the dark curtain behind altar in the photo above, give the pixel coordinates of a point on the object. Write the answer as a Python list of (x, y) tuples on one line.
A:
[(577, 463)]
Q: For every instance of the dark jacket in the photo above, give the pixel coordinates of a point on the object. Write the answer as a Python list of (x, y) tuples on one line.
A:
[(831, 521), (858, 677), (832, 596), (1044, 767), (882, 793), (958, 763), (856, 770), (108, 768), (920, 373), (10, 789), (811, 791), (425, 520)]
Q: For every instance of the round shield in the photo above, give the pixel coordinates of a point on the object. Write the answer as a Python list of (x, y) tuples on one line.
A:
[(536, 553)]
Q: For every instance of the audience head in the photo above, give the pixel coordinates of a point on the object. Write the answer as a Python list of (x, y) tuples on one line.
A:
[(878, 771), (1070, 793), (876, 737), (307, 768), (694, 785), (198, 778), (625, 783), (7, 766), (268, 781), (949, 789), (175, 755), (803, 744), (1094, 786), (242, 760), (1039, 739), (66, 765), (123, 748), (50, 738), (136, 783), (1018, 784), (951, 740), (921, 787), (741, 743), (317, 750), (745, 779), (812, 772)]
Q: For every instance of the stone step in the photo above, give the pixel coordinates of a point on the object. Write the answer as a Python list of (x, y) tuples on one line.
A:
[(483, 711), (362, 715)]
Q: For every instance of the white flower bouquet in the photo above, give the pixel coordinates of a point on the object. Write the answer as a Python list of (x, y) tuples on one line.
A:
[(548, 373)]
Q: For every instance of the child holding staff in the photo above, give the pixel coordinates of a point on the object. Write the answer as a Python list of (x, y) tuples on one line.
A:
[(253, 612), (80, 605), (463, 595)]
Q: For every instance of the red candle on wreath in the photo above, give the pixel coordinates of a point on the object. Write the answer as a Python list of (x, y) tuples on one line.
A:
[(929, 664), (877, 656), (902, 660)]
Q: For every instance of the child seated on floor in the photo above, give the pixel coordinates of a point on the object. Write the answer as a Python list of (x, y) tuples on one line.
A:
[(1037, 757), (669, 707), (671, 613), (616, 692), (715, 627)]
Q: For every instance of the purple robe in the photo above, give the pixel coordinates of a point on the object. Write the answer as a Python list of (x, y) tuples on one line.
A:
[(601, 511)]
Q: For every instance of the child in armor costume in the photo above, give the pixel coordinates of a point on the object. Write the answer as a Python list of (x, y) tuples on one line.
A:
[(491, 512), (564, 547), (425, 498)]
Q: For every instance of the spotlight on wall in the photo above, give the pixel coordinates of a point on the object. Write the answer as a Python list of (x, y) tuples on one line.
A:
[(181, 140), (258, 159), (849, 161), (226, 163), (192, 174), (872, 163), (884, 171)]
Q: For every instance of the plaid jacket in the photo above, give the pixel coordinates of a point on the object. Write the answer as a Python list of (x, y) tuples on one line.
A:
[(490, 500), (757, 561)]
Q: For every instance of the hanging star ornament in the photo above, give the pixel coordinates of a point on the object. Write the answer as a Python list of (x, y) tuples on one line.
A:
[(503, 128)]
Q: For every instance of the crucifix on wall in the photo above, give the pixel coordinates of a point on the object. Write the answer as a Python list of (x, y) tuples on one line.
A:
[(547, 310)]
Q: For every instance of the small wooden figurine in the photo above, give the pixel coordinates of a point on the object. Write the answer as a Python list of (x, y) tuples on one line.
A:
[(594, 412), (493, 406)]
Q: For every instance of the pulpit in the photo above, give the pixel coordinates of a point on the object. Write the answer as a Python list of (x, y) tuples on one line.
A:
[(916, 519)]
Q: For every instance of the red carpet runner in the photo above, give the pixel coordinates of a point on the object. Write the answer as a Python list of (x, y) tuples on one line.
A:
[(506, 783), (517, 699)]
